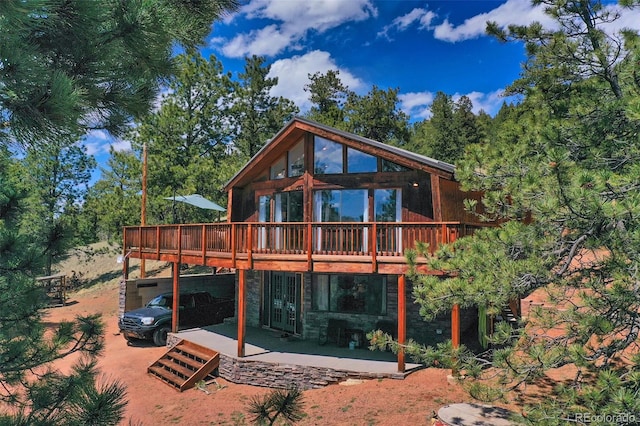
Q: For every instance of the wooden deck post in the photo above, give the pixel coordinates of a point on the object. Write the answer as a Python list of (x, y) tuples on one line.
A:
[(234, 230), (455, 326), (204, 244), (309, 247), (373, 245), (157, 242), (125, 256), (241, 310), (250, 246), (402, 321), (455, 333), (125, 267), (175, 316)]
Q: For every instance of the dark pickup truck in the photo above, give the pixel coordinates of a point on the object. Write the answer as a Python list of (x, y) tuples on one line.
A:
[(153, 321)]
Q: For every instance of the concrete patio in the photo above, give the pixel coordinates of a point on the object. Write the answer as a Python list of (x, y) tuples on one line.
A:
[(275, 361)]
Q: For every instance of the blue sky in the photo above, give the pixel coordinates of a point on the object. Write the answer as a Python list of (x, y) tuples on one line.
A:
[(418, 47)]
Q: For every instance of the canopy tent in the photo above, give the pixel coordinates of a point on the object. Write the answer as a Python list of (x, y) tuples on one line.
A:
[(198, 201)]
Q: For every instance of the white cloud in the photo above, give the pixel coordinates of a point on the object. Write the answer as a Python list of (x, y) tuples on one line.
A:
[(292, 21), (513, 12), (320, 15), (267, 41), (629, 19), (98, 142), (401, 23), (100, 135), (522, 12), (418, 104), (487, 102), (95, 142), (293, 75), (121, 145)]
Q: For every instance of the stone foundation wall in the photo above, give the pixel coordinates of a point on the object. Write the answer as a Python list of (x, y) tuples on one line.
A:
[(253, 301), (258, 373), (439, 329)]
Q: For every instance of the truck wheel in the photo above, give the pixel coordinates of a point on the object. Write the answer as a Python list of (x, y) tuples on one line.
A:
[(160, 336), (130, 339)]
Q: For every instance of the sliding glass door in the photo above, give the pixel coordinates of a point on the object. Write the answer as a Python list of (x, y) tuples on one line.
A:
[(339, 207), (388, 208), (278, 208)]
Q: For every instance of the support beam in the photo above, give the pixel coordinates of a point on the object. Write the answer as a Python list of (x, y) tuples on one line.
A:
[(455, 326), (125, 266), (402, 320), (175, 314), (436, 198), (455, 334), (241, 310)]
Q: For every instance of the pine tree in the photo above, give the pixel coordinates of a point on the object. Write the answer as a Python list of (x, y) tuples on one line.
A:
[(56, 175), (67, 68), (376, 116), (257, 115), (561, 175), (114, 200), (328, 96), (72, 66), (189, 139), (450, 129)]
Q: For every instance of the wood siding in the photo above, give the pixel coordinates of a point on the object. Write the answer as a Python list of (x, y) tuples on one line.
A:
[(452, 202)]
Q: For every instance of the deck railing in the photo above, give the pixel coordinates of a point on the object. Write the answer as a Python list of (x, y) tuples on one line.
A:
[(353, 239)]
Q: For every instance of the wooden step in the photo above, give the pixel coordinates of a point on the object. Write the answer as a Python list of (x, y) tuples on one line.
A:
[(166, 376), (185, 364), (177, 368), (193, 350), (179, 358)]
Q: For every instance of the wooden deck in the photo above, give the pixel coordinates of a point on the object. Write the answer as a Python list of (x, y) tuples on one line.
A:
[(375, 247)]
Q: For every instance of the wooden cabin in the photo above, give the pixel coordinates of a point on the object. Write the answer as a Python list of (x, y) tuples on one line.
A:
[(318, 223)]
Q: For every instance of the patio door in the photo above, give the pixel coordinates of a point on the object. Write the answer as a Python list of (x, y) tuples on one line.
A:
[(284, 301), (279, 208), (388, 208), (341, 207)]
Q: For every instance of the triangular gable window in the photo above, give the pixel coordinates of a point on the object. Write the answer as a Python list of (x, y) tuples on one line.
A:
[(361, 162)]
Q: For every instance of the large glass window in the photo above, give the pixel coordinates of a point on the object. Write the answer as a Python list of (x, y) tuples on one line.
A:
[(365, 294), (278, 169), (389, 166), (264, 208), (296, 159), (388, 207), (327, 156), (360, 162), (346, 205), (289, 207)]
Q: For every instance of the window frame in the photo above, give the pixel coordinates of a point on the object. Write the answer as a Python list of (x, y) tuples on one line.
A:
[(323, 291)]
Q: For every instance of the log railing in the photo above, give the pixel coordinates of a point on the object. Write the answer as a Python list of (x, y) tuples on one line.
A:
[(352, 239)]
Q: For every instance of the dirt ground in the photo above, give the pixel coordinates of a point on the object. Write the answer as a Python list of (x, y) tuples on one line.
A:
[(151, 402)]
